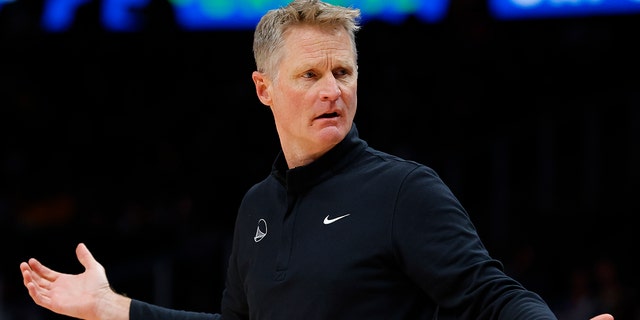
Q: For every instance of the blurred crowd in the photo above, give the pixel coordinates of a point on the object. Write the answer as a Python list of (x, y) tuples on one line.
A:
[(142, 145)]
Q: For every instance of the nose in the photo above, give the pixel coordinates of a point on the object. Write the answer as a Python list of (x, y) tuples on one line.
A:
[(330, 89)]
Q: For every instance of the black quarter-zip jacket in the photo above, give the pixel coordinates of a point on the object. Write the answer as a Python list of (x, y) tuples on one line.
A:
[(360, 234)]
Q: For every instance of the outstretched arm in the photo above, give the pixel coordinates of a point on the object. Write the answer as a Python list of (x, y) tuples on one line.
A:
[(88, 295), (85, 296)]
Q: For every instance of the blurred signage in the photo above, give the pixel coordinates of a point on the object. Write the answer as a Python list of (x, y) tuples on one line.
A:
[(526, 9), (195, 15)]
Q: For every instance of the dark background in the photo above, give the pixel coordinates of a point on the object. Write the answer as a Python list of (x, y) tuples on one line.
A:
[(142, 144)]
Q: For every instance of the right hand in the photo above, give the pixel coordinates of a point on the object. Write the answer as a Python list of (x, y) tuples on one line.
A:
[(84, 296)]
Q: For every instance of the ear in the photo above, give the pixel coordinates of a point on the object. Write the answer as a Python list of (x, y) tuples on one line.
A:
[(262, 87)]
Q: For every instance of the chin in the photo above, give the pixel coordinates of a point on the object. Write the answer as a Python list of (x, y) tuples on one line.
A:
[(332, 134)]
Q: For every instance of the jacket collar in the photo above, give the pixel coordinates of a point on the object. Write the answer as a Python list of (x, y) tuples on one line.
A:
[(300, 179)]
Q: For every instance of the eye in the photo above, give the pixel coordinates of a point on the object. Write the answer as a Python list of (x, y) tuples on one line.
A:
[(309, 75), (340, 73)]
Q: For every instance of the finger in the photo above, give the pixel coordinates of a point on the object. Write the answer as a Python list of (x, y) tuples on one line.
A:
[(29, 274), (38, 294), (24, 266), (36, 286), (85, 257), (26, 273), (41, 271), (34, 282), (31, 279)]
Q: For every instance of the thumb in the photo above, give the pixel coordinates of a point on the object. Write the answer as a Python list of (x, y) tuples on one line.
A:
[(85, 257)]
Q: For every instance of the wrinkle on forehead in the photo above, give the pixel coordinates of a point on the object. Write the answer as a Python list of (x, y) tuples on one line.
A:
[(315, 44)]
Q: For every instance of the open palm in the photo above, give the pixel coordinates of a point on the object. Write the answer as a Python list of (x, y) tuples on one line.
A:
[(69, 294)]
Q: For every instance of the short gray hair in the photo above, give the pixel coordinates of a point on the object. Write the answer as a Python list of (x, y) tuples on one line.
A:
[(268, 37)]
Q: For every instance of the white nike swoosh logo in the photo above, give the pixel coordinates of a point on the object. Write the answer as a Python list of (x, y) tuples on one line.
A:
[(329, 221)]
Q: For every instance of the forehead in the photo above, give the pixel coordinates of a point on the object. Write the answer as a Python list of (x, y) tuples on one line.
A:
[(315, 42)]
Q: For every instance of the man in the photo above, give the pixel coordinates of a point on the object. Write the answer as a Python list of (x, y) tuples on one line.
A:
[(338, 230)]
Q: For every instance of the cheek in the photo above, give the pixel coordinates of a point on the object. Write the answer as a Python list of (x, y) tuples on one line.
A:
[(287, 105), (291, 99), (351, 99)]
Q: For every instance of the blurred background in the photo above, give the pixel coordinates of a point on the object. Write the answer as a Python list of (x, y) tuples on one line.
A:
[(133, 126)]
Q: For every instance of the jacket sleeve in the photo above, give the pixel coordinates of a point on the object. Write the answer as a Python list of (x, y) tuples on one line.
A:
[(140, 310), (439, 248)]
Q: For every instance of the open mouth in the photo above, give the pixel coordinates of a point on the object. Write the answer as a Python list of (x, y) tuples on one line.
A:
[(328, 115)]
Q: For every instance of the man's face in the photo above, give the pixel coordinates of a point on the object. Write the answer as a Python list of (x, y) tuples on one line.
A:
[(313, 96)]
